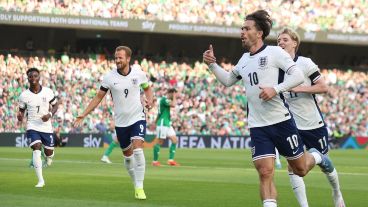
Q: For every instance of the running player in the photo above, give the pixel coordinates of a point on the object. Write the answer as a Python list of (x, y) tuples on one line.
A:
[(37, 101), (125, 84), (270, 122), (308, 118), (164, 128)]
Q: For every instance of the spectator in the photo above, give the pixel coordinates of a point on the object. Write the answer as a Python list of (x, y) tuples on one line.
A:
[(201, 100)]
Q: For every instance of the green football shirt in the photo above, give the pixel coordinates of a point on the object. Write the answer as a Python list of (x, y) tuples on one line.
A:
[(164, 112)]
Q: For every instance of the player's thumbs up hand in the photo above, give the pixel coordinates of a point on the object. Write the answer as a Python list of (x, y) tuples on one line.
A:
[(209, 56), (211, 50)]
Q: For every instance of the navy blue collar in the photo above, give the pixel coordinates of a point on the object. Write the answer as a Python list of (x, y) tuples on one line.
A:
[(259, 50), (296, 58), (37, 92), (130, 70)]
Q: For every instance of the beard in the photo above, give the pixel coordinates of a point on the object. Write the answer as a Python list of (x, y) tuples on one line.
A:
[(245, 46), (120, 66)]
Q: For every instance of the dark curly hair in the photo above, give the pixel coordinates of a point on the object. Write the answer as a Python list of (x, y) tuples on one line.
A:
[(262, 21), (32, 70)]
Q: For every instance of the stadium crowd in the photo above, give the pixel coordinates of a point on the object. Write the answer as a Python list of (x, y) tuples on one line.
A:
[(311, 15), (204, 105)]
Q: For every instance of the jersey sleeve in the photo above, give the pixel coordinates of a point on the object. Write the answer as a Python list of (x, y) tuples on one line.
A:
[(22, 102), (52, 98), (105, 85), (235, 71), (312, 71), (283, 60), (143, 80)]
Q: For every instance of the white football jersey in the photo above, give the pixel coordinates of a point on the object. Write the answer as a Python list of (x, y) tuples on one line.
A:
[(304, 106), (36, 106), (264, 68), (125, 92)]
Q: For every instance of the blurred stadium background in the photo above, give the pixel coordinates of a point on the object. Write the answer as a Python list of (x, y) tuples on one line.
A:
[(72, 43)]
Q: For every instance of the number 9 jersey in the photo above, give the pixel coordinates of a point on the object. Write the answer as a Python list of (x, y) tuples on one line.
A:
[(125, 93)]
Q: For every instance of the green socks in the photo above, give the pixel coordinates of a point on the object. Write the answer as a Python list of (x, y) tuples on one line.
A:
[(172, 151), (110, 148), (156, 152)]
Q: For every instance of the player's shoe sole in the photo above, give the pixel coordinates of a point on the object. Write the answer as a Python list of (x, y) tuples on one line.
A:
[(139, 194), (326, 164)]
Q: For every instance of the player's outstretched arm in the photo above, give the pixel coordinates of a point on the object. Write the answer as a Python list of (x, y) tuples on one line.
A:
[(91, 106), (148, 93), (318, 87)]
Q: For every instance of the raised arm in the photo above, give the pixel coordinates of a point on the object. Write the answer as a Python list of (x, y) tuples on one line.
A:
[(226, 78)]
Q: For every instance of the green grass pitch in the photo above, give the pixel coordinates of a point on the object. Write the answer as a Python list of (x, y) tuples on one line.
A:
[(206, 178)]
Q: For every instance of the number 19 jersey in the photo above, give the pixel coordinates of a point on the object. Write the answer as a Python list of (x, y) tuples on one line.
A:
[(125, 92)]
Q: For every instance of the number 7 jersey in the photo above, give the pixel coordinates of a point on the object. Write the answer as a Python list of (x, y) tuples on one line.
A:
[(125, 93), (36, 106)]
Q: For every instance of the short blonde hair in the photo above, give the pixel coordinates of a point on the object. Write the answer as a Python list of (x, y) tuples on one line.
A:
[(128, 51), (293, 35)]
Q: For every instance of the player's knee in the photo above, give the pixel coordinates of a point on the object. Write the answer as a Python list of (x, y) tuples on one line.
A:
[(128, 152), (265, 172), (36, 146), (174, 139), (49, 152), (160, 141), (137, 143), (300, 171)]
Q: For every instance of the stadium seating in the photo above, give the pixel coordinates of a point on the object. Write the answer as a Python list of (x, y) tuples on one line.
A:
[(311, 15), (204, 105)]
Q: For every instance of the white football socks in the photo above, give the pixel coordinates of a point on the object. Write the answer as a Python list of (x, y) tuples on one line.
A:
[(269, 203), (333, 179), (139, 167), (277, 159), (129, 165), (317, 157), (297, 183), (37, 163)]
